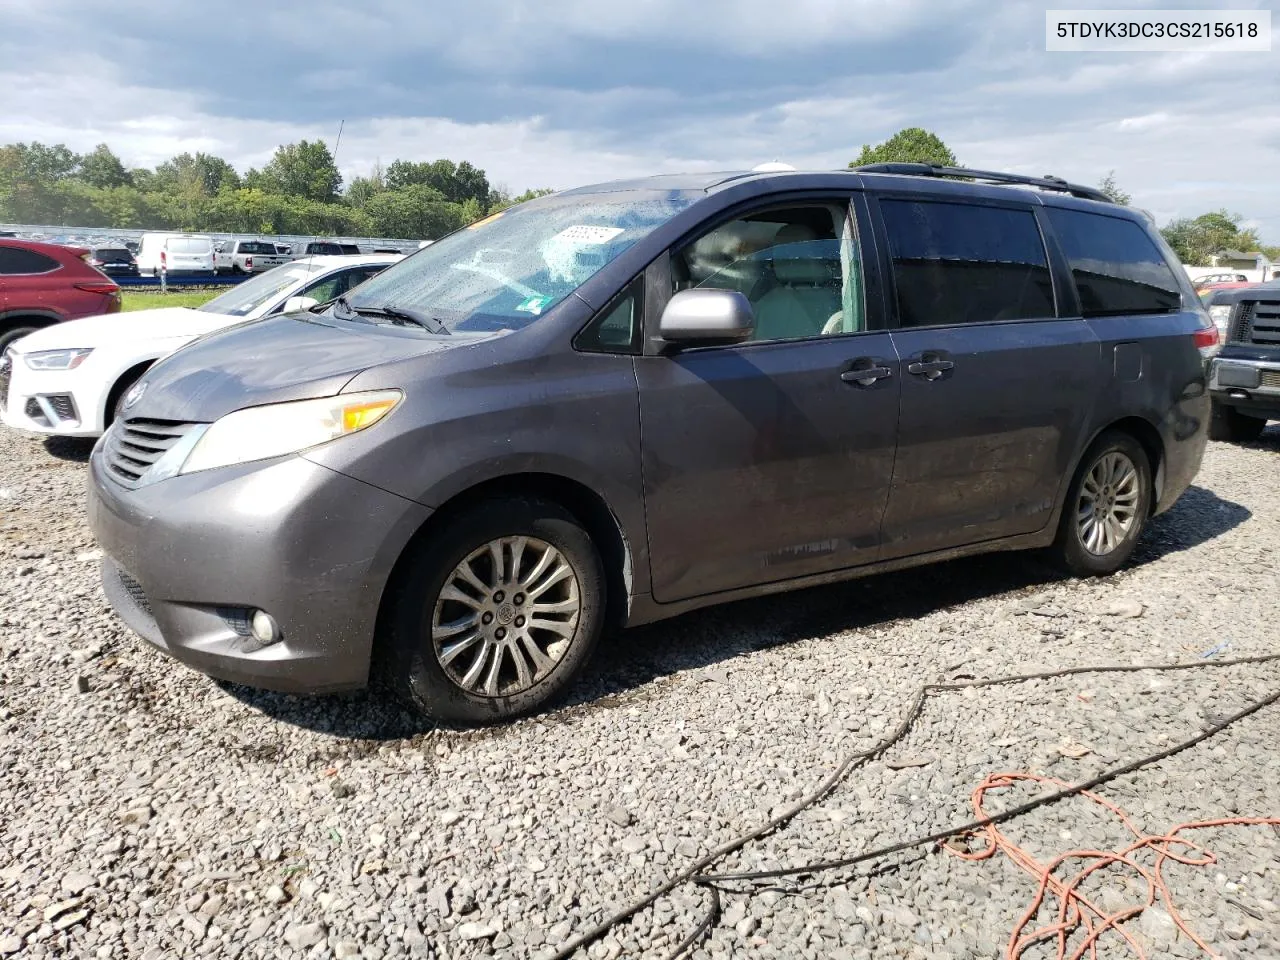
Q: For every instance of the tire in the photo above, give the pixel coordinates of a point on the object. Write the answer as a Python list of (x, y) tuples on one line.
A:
[(415, 651), (1090, 550), (16, 333), (1229, 424)]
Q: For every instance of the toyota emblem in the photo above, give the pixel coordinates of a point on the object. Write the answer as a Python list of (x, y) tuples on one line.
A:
[(135, 393)]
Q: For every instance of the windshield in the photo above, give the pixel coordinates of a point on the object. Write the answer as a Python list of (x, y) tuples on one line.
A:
[(503, 272), (242, 299)]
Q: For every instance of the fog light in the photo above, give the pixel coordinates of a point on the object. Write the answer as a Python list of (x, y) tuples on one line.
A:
[(264, 627)]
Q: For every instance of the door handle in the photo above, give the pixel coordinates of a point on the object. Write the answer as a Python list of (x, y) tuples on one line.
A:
[(865, 372), (929, 369)]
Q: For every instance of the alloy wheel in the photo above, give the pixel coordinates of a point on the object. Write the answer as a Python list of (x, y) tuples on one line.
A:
[(1108, 505), (505, 616)]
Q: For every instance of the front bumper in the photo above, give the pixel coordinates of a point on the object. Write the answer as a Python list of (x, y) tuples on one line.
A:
[(188, 557), (1251, 386), (52, 402)]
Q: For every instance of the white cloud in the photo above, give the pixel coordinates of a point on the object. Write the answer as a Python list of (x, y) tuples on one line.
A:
[(1184, 133)]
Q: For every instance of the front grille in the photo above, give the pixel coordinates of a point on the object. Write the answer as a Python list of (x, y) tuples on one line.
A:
[(135, 591), (134, 445), (1257, 322), (63, 406), (1270, 379), (36, 413)]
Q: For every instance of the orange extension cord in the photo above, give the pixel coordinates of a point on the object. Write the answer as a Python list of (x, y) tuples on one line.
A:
[(1076, 913)]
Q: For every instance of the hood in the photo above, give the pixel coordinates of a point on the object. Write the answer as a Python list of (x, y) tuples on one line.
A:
[(286, 357), (110, 328)]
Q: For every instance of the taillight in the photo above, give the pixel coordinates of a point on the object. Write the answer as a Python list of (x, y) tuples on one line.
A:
[(248, 263), (1207, 341), (94, 286)]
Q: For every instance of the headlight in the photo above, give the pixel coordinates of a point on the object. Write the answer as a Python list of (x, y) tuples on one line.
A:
[(1221, 317), (57, 359), (258, 433)]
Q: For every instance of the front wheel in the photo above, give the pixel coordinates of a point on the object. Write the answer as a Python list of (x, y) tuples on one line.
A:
[(1229, 424), (495, 614), (1106, 508)]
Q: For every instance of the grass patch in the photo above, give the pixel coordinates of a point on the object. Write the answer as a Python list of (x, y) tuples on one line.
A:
[(147, 300)]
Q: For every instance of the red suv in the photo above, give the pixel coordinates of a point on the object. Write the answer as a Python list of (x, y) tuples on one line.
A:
[(42, 284)]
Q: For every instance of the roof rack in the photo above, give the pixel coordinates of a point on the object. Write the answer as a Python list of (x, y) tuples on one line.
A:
[(1047, 182)]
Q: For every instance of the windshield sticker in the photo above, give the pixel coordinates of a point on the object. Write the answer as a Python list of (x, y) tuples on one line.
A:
[(489, 219), (533, 304), (585, 235)]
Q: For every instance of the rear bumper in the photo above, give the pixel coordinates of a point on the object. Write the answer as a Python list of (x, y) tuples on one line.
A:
[(188, 559), (1251, 386)]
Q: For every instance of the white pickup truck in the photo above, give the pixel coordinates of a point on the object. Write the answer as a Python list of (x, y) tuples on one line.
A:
[(247, 256)]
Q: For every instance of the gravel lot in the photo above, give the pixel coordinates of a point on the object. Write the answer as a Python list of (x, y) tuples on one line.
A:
[(146, 811)]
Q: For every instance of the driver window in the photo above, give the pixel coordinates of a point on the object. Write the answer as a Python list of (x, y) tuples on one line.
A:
[(799, 266)]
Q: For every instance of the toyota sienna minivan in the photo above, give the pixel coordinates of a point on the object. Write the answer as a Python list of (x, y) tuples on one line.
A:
[(621, 402)]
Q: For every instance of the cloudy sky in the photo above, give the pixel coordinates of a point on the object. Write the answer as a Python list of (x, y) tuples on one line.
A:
[(562, 92)]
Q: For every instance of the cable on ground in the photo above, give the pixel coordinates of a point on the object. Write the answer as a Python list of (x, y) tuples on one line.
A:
[(693, 872)]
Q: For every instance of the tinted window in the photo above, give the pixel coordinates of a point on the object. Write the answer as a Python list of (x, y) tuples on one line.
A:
[(252, 246), (960, 263), (1118, 269), (113, 255), (798, 266), (16, 260)]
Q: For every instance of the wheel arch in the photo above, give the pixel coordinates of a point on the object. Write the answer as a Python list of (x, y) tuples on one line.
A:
[(39, 319), (120, 384), (586, 505), (1147, 435)]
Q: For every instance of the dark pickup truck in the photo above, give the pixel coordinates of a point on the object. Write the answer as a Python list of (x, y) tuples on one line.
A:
[(1244, 378)]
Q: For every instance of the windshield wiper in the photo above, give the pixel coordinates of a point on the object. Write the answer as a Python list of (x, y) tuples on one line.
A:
[(417, 318), (341, 309)]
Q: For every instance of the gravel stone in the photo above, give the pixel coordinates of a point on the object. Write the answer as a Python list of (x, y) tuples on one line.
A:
[(173, 816), (301, 936)]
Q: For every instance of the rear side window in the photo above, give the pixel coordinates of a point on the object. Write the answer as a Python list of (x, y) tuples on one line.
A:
[(15, 260), (961, 263), (1118, 269)]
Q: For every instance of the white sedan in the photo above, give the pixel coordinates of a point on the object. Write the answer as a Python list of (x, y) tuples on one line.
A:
[(68, 379)]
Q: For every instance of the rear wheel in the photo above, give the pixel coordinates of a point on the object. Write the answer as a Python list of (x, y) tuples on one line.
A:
[(496, 613), (1106, 508), (1229, 424)]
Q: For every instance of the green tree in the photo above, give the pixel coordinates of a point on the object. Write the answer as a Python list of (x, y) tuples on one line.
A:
[(1112, 189), (911, 145), (416, 212), (303, 169), (456, 182), (202, 173), (499, 199), (1195, 241), (362, 189), (102, 168)]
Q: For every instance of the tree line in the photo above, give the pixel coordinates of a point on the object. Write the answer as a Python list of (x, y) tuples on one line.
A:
[(300, 191)]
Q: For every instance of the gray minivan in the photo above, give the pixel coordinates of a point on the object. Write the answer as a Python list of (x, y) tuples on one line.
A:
[(618, 403)]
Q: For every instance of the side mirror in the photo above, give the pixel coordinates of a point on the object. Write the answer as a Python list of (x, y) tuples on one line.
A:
[(707, 316), (298, 304)]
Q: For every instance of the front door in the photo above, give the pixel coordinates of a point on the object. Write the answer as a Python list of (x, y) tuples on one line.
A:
[(771, 459), (996, 388)]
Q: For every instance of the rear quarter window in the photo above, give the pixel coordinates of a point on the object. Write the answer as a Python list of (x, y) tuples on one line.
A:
[(1117, 267), (15, 260)]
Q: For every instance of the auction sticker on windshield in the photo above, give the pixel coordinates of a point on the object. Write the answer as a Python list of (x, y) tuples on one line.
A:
[(533, 304), (586, 235)]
